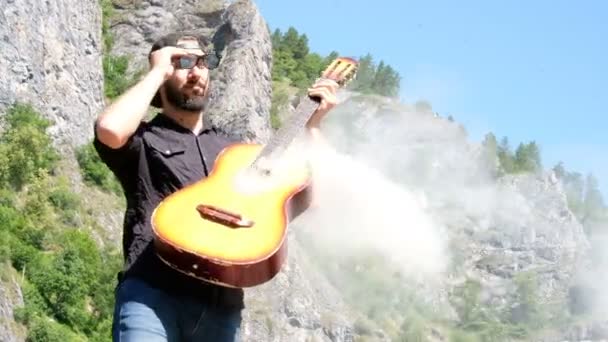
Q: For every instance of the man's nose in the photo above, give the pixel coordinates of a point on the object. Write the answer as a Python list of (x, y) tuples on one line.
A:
[(196, 72)]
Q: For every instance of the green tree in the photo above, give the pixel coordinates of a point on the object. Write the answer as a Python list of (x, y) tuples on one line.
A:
[(386, 80), (276, 38), (329, 58), (574, 186), (94, 171), (593, 202), (379, 79), (68, 295), (527, 309), (25, 148), (560, 170), (295, 43), (505, 156), (490, 151), (116, 77), (293, 60), (527, 158), (115, 70), (312, 65), (365, 75)]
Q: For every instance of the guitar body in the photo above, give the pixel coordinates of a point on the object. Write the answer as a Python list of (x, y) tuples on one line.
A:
[(230, 228)]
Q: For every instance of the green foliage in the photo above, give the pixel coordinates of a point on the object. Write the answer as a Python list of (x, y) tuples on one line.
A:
[(457, 335), (381, 293), (585, 200), (594, 208), (116, 79), (469, 309), (280, 100), (527, 311), (293, 60), (490, 151), (379, 79), (574, 185), (25, 148), (482, 322), (94, 171), (101, 294), (63, 199), (107, 11), (67, 281), (65, 202), (23, 254), (43, 329), (413, 329), (525, 159), (36, 305), (295, 66), (5, 245)]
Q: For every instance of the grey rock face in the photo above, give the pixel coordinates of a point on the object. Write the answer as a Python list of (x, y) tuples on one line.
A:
[(498, 228), (50, 56), (241, 87), (10, 297), (297, 305)]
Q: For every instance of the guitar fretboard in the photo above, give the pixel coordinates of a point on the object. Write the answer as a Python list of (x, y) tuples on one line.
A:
[(289, 130)]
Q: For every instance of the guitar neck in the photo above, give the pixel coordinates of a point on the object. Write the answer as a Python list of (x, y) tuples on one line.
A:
[(291, 128), (340, 70)]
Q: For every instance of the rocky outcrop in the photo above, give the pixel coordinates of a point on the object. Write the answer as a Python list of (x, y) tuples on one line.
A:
[(498, 228), (241, 87), (50, 57), (56, 65), (10, 298), (297, 305)]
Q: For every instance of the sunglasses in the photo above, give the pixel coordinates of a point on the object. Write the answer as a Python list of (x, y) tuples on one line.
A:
[(208, 60)]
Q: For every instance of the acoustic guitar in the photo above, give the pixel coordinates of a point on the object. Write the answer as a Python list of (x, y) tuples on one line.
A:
[(230, 228)]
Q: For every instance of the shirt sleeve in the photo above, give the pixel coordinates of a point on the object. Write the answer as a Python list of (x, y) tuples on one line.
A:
[(124, 160)]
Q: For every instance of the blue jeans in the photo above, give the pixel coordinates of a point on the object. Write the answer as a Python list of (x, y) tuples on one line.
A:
[(145, 313)]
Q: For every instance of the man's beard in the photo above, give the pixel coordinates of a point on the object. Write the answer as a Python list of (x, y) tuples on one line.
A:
[(176, 98)]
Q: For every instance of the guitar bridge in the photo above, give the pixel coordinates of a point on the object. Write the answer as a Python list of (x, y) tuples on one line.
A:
[(223, 216)]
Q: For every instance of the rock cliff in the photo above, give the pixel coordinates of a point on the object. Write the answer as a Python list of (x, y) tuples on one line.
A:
[(50, 56), (489, 229)]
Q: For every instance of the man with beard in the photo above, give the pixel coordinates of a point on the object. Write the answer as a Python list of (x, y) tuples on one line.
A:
[(154, 159)]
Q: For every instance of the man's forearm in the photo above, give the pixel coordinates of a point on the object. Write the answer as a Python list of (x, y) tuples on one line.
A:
[(120, 120), (314, 132)]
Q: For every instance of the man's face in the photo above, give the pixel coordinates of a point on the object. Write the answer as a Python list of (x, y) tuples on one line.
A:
[(187, 88)]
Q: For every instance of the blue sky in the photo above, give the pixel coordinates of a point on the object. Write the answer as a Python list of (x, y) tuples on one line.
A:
[(528, 70)]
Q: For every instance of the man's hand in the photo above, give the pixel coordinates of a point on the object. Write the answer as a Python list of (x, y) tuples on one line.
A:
[(162, 59), (325, 90)]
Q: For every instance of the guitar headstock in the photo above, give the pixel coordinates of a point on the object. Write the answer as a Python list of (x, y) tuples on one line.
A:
[(341, 70)]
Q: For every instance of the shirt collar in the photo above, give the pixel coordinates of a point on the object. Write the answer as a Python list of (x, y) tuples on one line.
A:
[(168, 122)]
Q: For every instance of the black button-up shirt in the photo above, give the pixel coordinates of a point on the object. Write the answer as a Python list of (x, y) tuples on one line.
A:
[(160, 158)]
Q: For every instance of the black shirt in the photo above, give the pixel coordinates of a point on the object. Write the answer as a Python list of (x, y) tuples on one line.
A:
[(160, 158)]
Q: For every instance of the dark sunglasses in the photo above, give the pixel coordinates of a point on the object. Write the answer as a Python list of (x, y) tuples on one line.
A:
[(209, 60)]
